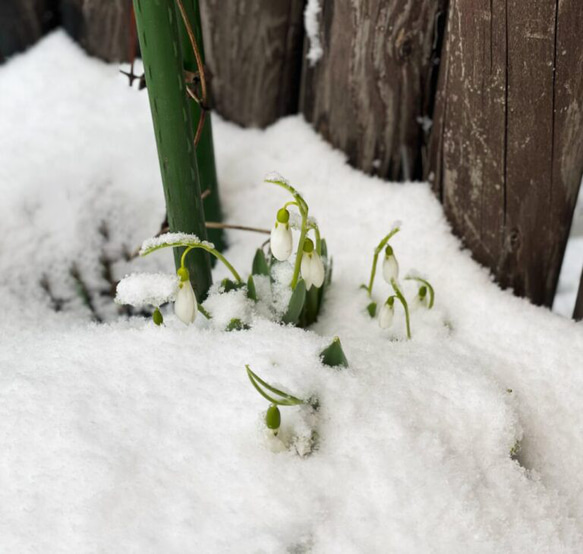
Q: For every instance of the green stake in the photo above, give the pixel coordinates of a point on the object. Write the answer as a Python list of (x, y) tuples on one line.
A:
[(157, 24)]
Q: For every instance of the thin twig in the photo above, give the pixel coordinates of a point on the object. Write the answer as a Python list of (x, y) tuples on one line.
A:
[(215, 225), (209, 225), (203, 101)]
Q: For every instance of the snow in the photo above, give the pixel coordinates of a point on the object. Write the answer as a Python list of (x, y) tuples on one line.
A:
[(168, 239), (147, 289), (128, 437), (572, 268), (312, 26)]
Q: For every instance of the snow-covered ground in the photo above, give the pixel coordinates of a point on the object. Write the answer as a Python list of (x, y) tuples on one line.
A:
[(127, 437)]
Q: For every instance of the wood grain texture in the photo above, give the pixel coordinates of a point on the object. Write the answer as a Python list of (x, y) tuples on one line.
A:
[(23, 22), (101, 27), (506, 154), (253, 50), (368, 92)]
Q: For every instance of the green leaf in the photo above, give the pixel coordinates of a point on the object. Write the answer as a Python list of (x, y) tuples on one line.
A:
[(260, 266), (311, 308), (251, 290), (372, 309), (296, 304), (323, 248), (229, 285), (333, 355), (285, 400), (236, 325)]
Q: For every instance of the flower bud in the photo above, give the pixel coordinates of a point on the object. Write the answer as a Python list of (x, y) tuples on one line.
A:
[(157, 317), (273, 418)]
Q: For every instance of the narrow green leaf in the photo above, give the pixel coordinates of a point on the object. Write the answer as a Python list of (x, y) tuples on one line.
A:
[(311, 308), (251, 290), (260, 266), (333, 355), (288, 399), (296, 304)]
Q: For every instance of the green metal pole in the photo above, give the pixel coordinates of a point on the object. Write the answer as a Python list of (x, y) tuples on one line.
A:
[(205, 153), (157, 25)]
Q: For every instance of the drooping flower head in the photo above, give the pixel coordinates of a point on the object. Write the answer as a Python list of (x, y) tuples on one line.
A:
[(390, 265), (313, 272), (387, 313), (281, 236), (185, 306)]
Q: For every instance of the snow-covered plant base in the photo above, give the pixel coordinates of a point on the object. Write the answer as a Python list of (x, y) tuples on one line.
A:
[(127, 437)]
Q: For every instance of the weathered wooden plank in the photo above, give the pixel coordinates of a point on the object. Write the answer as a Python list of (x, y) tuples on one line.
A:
[(507, 146), (102, 28), (367, 94), (23, 22), (253, 50)]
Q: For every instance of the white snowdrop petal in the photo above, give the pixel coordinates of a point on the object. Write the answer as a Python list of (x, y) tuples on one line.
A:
[(281, 242), (185, 306), (306, 270), (318, 272), (386, 316), (390, 269)]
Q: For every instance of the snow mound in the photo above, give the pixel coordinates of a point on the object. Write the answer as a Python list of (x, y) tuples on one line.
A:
[(128, 437)]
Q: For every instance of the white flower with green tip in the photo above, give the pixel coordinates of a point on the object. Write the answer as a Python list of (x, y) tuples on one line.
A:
[(313, 271), (281, 236)]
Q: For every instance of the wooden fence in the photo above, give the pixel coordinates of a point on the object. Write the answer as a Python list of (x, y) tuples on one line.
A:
[(482, 99)]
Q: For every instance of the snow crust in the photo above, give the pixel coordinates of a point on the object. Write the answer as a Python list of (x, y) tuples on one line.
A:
[(127, 437)]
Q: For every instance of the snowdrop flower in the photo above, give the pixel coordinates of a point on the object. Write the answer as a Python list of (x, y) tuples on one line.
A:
[(312, 266), (390, 266), (281, 236), (387, 313), (185, 306), (421, 298)]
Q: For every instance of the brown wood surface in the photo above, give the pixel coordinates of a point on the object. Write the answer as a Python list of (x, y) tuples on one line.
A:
[(23, 22), (507, 143), (368, 92), (102, 27), (253, 50)]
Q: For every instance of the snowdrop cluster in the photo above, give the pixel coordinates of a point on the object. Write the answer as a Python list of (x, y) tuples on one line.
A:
[(308, 261), (302, 295), (425, 296)]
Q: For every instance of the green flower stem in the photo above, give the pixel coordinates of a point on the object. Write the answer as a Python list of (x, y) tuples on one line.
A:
[(429, 288), (203, 311), (404, 303), (303, 208), (216, 254), (318, 238), (377, 251)]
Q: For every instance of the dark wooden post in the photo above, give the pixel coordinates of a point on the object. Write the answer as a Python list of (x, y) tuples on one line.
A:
[(507, 142), (23, 22), (102, 28), (253, 50), (369, 93)]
